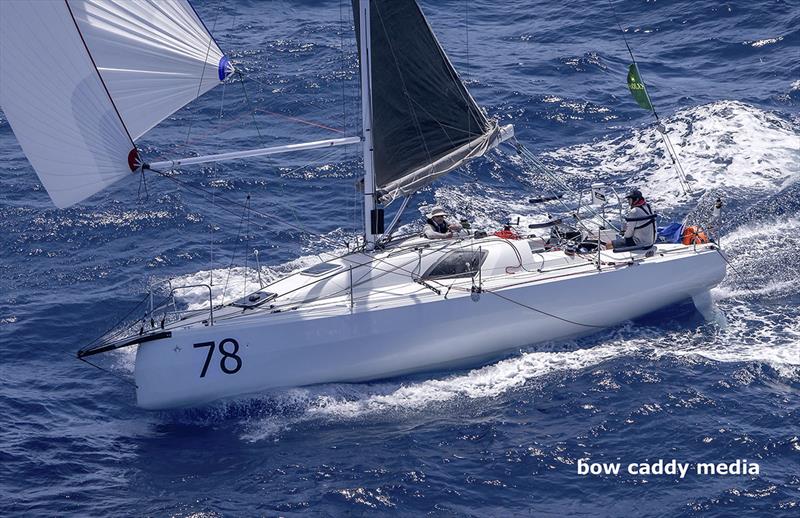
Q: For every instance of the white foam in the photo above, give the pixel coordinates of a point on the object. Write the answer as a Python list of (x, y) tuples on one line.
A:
[(325, 404), (751, 338), (487, 382), (725, 144), (752, 235), (773, 288), (764, 42), (768, 335)]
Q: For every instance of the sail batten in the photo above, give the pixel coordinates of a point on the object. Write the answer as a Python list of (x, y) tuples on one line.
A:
[(83, 79), (423, 115)]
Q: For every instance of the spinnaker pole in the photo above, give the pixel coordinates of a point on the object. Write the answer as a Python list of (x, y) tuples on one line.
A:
[(266, 151)]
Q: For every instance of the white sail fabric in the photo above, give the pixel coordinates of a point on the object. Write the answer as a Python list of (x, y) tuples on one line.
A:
[(81, 79), (56, 103), (155, 56)]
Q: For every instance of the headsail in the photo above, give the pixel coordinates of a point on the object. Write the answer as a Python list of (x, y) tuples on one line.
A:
[(425, 123), (83, 78)]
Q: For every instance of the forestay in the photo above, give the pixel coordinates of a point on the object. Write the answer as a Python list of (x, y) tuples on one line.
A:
[(82, 79), (425, 123)]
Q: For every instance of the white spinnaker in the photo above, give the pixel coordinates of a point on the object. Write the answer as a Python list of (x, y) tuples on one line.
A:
[(155, 56), (79, 79), (56, 104)]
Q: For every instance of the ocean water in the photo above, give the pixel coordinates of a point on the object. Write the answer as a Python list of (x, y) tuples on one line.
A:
[(502, 439)]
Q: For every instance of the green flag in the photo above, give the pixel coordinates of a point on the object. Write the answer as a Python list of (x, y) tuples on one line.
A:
[(636, 86)]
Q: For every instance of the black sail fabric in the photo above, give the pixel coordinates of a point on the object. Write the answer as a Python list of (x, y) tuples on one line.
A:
[(425, 123)]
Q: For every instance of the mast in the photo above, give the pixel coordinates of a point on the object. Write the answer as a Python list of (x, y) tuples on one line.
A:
[(370, 214)]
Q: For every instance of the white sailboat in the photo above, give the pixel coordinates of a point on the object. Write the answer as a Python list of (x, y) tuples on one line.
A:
[(110, 71)]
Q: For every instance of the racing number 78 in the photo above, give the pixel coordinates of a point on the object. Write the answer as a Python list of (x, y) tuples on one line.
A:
[(227, 354)]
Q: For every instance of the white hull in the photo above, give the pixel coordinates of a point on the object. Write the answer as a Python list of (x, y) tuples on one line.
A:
[(392, 334)]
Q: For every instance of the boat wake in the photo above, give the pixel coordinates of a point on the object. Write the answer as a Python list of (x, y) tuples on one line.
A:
[(726, 145), (393, 401)]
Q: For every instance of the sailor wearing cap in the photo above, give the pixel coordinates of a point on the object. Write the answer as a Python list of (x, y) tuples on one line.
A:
[(437, 228), (640, 223)]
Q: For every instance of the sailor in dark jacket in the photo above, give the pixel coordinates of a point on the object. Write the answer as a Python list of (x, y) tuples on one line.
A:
[(437, 228), (640, 223)]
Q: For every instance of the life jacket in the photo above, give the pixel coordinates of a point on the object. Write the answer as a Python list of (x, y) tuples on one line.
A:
[(648, 220), (442, 229)]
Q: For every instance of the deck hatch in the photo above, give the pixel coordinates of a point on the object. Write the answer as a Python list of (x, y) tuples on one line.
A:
[(321, 269), (254, 299)]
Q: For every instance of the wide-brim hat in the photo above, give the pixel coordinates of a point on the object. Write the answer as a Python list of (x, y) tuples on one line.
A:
[(437, 211)]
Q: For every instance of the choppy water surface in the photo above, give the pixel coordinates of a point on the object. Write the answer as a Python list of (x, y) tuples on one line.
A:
[(502, 439)]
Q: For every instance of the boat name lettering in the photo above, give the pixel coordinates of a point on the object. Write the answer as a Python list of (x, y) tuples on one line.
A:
[(228, 353)]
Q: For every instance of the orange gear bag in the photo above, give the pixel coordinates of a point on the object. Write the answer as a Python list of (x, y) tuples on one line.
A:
[(694, 236), (507, 234)]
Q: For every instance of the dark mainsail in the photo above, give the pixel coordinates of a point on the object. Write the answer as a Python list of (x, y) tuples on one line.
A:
[(425, 123)]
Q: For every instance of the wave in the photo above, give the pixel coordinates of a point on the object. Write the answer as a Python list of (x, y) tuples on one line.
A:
[(723, 145), (392, 401)]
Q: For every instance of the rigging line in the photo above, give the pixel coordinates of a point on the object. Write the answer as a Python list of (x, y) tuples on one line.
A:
[(735, 270), (246, 249), (290, 207), (120, 321), (223, 127), (415, 118), (667, 142), (543, 312), (214, 171), (466, 30), (142, 181), (265, 215), (211, 226), (108, 371), (202, 76), (461, 88), (442, 124), (625, 39), (342, 69), (301, 121), (675, 162), (233, 256), (250, 106), (543, 169), (289, 117)]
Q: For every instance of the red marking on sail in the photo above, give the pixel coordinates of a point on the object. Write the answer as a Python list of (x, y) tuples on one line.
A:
[(133, 160)]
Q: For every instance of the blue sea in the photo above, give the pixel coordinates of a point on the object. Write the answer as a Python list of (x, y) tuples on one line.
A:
[(503, 439)]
